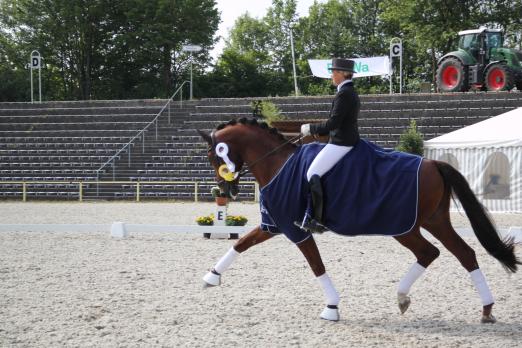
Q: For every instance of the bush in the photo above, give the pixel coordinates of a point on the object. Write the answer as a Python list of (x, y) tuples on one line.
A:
[(411, 141), (266, 110)]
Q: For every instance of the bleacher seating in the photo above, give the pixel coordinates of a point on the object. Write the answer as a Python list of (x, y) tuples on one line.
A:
[(60, 144)]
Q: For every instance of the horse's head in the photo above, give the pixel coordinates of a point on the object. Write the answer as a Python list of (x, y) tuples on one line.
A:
[(245, 141), (226, 161)]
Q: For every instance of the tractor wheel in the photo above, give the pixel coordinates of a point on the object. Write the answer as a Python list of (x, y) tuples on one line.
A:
[(452, 76), (499, 77)]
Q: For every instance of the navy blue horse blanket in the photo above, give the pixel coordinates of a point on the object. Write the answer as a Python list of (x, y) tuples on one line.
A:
[(370, 191)]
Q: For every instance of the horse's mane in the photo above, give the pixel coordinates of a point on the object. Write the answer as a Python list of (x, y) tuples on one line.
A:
[(253, 122)]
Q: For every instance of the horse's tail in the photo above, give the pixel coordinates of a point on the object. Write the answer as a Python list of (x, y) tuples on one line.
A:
[(502, 250)]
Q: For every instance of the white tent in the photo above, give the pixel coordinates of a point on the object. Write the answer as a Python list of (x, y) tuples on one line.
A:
[(489, 155)]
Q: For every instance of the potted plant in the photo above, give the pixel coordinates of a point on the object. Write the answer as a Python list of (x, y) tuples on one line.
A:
[(236, 220), (205, 220), (220, 198)]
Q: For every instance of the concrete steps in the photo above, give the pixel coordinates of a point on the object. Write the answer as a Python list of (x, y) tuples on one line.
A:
[(69, 141)]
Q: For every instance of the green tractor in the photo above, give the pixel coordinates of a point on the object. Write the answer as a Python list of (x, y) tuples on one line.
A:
[(481, 62)]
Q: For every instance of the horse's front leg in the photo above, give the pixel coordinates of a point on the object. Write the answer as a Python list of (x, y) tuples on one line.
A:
[(256, 236), (311, 253)]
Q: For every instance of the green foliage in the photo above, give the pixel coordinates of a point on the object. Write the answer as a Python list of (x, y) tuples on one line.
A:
[(119, 49), (109, 49), (205, 220), (411, 141), (236, 220), (266, 110)]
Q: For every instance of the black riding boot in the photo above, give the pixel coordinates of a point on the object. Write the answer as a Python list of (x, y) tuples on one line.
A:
[(316, 190), (314, 213)]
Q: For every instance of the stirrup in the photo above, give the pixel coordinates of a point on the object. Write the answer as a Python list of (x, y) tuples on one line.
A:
[(311, 225)]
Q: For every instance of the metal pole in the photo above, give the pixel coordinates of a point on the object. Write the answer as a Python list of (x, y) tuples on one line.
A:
[(138, 191), (31, 68), (400, 76), (293, 62), (40, 79), (391, 75), (196, 192), (256, 192), (191, 95), (80, 191)]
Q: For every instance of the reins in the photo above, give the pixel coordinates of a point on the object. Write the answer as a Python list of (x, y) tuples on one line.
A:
[(292, 140)]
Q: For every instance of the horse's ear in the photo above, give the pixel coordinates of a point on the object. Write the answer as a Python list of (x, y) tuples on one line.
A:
[(206, 136)]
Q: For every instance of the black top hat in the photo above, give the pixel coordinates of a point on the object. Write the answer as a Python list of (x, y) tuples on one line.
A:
[(343, 64)]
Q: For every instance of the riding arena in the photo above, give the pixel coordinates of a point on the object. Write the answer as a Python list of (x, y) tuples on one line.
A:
[(99, 244)]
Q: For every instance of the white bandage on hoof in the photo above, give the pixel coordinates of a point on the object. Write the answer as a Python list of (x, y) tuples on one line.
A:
[(331, 314), (404, 302), (211, 279)]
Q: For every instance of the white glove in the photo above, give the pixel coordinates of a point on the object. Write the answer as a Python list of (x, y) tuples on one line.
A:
[(305, 129)]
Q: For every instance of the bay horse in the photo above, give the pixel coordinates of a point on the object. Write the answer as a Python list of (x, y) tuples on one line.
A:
[(264, 151)]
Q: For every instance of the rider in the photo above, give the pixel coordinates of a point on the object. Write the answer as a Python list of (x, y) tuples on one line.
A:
[(344, 133)]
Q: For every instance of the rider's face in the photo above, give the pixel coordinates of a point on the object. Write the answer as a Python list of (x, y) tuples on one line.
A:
[(337, 77)]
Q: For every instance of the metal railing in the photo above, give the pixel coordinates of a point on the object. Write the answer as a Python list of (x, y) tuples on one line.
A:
[(138, 185), (141, 134)]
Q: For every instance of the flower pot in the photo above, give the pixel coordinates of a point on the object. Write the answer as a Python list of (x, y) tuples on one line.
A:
[(221, 201)]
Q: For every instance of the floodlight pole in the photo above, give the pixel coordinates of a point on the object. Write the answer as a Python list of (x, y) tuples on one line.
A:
[(191, 49), (293, 62)]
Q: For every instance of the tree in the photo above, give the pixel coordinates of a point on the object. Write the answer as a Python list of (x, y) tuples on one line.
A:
[(110, 48)]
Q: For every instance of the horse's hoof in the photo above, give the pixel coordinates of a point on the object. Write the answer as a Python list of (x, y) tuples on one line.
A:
[(330, 313), (211, 279), (404, 302), (488, 319)]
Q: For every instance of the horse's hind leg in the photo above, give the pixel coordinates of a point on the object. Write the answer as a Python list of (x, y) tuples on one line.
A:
[(440, 227), (425, 252)]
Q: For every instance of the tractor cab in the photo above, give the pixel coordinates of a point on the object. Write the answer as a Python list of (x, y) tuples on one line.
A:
[(479, 42)]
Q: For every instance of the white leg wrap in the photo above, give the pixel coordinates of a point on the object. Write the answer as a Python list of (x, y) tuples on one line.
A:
[(409, 278), (332, 297), (482, 287), (226, 261)]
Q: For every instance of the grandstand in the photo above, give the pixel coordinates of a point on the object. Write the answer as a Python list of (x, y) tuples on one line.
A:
[(58, 148)]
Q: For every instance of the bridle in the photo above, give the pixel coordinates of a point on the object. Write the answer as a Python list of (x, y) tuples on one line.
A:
[(244, 171)]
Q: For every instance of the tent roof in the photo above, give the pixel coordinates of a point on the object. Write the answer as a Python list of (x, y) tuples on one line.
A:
[(499, 131)]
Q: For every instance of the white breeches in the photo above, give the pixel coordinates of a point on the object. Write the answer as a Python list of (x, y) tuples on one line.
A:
[(326, 159)]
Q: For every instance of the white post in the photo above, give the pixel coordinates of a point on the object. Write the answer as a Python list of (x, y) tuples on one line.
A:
[(396, 51), (221, 215), (31, 73), (35, 62), (400, 71), (191, 95)]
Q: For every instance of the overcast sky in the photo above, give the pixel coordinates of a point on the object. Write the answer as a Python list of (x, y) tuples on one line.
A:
[(231, 9)]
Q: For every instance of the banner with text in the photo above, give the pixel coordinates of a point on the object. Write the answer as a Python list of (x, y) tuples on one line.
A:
[(373, 66)]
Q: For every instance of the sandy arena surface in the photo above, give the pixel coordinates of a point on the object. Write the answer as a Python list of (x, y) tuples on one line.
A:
[(89, 290)]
